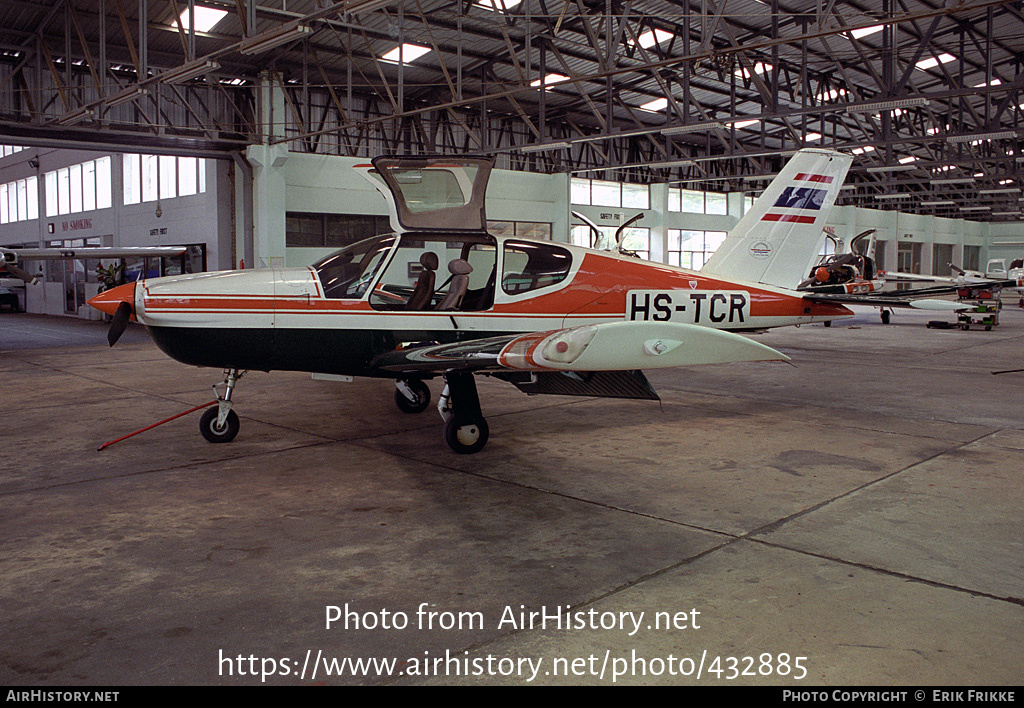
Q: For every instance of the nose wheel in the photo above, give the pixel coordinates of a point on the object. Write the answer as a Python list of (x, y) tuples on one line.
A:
[(220, 424), (465, 429)]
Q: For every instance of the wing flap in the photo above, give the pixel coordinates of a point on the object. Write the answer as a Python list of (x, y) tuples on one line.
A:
[(599, 384)]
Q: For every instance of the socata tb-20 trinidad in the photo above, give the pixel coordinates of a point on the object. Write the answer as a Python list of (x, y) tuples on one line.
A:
[(442, 297)]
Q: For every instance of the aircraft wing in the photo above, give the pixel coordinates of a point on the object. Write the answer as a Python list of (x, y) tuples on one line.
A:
[(918, 298), (16, 255), (590, 360)]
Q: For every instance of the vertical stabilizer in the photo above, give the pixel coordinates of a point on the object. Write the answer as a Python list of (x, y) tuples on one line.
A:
[(776, 241)]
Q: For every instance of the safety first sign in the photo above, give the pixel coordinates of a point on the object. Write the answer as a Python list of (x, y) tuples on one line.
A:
[(700, 307)]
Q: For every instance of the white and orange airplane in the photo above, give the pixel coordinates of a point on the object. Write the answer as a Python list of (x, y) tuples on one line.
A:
[(442, 297)]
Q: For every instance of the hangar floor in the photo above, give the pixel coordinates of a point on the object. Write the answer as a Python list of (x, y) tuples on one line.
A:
[(861, 509)]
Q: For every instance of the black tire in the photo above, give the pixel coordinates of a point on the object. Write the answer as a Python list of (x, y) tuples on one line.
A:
[(885, 316), (422, 397), (208, 426), (466, 438)]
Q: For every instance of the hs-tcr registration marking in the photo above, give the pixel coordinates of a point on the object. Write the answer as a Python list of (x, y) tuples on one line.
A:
[(701, 307)]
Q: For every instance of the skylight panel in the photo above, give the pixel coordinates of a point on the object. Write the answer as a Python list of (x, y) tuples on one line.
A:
[(932, 62), (652, 37), (405, 53), (549, 80), (498, 5), (206, 18), (759, 68), (658, 104), (865, 31), (740, 124)]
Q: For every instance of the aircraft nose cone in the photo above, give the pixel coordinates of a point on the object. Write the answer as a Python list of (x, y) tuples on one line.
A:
[(108, 300)]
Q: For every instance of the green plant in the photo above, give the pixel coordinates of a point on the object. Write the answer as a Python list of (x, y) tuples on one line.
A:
[(111, 276)]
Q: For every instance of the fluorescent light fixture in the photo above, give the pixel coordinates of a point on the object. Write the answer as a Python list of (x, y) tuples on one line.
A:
[(908, 159), (813, 137), (932, 62), (548, 80), (673, 163), (863, 149), (652, 37), (740, 124), (1000, 190), (1006, 181), (893, 196), (888, 105), (275, 38), (846, 187), (405, 53), (546, 146), (75, 116), (692, 128), (953, 180), (206, 18), (497, 5), (892, 168), (188, 71), (1006, 213), (865, 31), (975, 208), (993, 82), (125, 97), (1000, 135), (939, 202), (658, 104)]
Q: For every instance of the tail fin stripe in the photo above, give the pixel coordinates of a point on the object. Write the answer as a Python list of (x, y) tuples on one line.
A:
[(804, 177), (798, 218)]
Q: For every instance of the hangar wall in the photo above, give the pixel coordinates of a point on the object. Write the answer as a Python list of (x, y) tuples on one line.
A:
[(327, 184), (295, 182), (200, 218)]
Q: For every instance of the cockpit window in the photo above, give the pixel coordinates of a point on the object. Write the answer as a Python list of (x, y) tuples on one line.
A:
[(531, 266), (438, 272), (348, 273)]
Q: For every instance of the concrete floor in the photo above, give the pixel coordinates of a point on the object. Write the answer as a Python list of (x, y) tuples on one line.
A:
[(860, 509)]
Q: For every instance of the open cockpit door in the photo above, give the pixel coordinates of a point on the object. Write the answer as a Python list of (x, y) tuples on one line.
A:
[(436, 193)]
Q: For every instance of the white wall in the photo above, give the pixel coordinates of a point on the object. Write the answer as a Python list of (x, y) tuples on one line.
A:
[(200, 218)]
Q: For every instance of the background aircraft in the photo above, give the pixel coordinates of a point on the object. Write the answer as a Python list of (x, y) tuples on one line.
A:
[(851, 278), (547, 317)]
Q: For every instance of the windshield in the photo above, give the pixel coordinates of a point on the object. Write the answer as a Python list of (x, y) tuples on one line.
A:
[(348, 273)]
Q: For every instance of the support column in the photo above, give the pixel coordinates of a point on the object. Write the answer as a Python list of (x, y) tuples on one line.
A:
[(269, 185)]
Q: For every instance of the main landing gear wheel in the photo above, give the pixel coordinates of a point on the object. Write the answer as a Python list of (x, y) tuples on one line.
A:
[(225, 433), (885, 316), (420, 396), (465, 429), (467, 437)]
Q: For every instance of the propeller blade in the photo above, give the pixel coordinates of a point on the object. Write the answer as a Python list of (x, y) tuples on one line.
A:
[(19, 273), (119, 323)]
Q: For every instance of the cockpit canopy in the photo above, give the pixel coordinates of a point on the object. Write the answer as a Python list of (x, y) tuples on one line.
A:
[(393, 266), (435, 193)]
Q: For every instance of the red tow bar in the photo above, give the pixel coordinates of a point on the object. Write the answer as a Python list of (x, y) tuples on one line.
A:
[(150, 427)]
